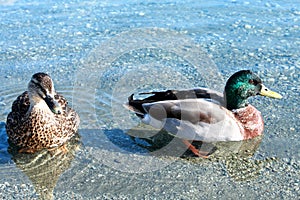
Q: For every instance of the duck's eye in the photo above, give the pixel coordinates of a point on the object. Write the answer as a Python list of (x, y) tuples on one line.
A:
[(253, 81)]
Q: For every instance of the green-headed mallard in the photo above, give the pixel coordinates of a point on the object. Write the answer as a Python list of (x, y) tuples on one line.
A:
[(206, 115), (40, 118)]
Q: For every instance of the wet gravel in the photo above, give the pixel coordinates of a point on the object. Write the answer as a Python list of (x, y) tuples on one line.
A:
[(98, 53)]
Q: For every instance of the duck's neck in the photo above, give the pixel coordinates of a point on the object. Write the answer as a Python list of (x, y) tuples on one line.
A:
[(38, 105), (234, 101)]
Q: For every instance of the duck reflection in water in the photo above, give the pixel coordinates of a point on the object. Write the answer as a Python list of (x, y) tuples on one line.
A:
[(237, 158), (44, 167)]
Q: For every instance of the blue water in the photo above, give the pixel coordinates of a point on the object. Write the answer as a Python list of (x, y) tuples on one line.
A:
[(100, 52)]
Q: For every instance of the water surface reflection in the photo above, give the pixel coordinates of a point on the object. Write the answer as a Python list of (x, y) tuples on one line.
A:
[(44, 168)]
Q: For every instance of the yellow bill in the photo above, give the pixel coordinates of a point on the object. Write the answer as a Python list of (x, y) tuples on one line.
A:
[(269, 93)]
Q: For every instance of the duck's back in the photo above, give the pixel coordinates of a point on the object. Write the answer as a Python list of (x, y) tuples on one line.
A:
[(196, 93)]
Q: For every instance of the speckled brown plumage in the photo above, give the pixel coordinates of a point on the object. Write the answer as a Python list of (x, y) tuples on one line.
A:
[(35, 127)]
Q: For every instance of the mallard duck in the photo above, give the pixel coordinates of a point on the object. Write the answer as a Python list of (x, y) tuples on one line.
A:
[(40, 118), (206, 115)]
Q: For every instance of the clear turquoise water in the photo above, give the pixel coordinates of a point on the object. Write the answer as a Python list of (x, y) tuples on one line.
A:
[(98, 53)]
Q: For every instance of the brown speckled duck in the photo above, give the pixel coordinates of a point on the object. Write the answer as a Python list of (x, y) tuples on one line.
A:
[(40, 118), (206, 115)]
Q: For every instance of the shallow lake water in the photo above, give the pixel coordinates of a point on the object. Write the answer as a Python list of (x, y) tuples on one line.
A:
[(100, 52)]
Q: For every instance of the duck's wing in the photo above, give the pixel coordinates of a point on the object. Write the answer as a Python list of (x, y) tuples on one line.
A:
[(19, 109), (193, 119), (197, 93), (200, 93), (21, 104)]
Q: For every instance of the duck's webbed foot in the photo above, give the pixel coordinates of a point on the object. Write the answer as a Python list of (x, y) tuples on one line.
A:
[(195, 151)]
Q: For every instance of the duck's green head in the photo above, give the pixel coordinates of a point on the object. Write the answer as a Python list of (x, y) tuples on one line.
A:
[(244, 84)]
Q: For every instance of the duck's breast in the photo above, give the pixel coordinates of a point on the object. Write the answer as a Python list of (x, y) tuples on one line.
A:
[(251, 121)]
